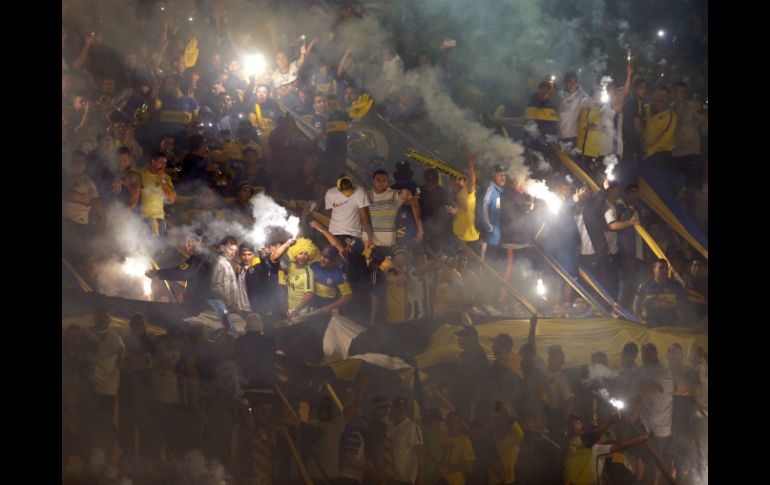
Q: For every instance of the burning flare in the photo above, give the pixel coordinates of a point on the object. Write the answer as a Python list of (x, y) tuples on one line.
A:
[(136, 267), (254, 65), (538, 190)]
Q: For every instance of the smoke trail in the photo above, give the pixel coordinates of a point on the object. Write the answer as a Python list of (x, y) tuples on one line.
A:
[(268, 214), (610, 161), (600, 371)]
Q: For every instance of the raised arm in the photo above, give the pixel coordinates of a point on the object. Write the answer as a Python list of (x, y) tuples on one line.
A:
[(532, 329), (329, 237), (279, 252), (470, 182), (617, 103), (343, 61), (366, 221)]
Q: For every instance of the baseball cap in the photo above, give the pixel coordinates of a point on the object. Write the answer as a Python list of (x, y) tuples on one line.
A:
[(403, 170), (499, 168), (261, 395), (330, 252), (380, 401), (345, 185), (467, 331)]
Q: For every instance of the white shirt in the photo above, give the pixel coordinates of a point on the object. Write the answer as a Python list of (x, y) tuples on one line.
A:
[(279, 78), (327, 448), (569, 110), (383, 210), (610, 216), (106, 374), (597, 460), (165, 379), (657, 409), (393, 68), (559, 391), (345, 218), (405, 438), (586, 248), (77, 211)]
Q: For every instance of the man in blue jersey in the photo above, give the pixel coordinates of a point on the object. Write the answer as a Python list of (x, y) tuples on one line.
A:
[(331, 290), (491, 215)]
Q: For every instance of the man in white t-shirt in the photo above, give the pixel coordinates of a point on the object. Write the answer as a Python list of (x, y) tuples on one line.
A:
[(285, 72), (610, 276), (570, 101), (657, 386), (347, 205), (406, 439), (325, 441), (107, 354), (384, 203)]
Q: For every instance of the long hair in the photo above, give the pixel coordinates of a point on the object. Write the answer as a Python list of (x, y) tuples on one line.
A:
[(306, 245)]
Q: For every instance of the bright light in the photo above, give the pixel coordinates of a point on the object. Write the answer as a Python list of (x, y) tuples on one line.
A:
[(254, 65), (617, 403), (540, 288), (162, 8), (605, 96), (136, 267), (553, 77), (538, 190), (190, 19), (661, 33)]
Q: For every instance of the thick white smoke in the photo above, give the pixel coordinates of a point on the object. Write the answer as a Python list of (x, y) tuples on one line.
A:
[(267, 213)]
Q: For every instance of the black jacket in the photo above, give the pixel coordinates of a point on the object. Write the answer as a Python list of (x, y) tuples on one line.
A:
[(196, 270)]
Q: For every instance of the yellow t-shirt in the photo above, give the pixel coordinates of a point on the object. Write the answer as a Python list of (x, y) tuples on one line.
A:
[(397, 309), (298, 282), (233, 150), (464, 225), (153, 197), (578, 467), (589, 131), (448, 292), (460, 450), (659, 132), (508, 447)]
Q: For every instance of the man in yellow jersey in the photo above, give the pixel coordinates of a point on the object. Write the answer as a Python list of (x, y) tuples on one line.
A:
[(463, 208), (461, 456), (299, 280), (398, 305), (157, 190), (659, 137)]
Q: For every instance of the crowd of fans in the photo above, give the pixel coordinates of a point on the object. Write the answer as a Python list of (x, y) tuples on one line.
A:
[(192, 139)]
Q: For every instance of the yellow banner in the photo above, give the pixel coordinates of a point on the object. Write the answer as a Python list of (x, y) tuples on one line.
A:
[(576, 170), (651, 199), (595, 335)]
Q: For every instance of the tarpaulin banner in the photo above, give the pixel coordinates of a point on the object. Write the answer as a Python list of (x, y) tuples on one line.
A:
[(667, 208)]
